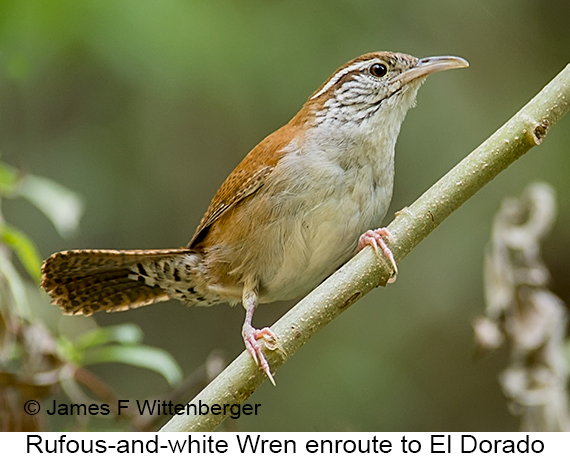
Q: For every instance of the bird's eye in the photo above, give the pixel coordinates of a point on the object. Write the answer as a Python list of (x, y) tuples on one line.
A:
[(378, 70)]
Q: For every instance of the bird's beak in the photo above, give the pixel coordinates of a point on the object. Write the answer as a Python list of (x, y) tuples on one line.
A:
[(429, 65)]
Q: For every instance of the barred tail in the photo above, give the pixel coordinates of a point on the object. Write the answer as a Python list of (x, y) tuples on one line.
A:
[(83, 282)]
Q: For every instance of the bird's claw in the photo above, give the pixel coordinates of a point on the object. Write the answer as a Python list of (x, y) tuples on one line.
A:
[(375, 239), (250, 337)]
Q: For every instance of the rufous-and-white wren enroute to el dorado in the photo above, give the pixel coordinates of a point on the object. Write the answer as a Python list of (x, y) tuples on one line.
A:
[(298, 206)]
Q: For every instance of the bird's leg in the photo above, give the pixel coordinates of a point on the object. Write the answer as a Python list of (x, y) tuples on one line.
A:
[(374, 239), (251, 334)]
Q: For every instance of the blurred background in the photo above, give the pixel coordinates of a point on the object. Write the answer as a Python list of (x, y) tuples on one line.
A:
[(144, 107)]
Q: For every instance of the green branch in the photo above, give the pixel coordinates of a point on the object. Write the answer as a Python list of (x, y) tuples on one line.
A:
[(366, 271)]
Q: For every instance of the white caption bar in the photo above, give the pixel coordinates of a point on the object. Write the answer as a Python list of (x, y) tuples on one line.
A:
[(302, 444)]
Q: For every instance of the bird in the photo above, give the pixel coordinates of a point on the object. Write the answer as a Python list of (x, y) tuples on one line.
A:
[(297, 207)]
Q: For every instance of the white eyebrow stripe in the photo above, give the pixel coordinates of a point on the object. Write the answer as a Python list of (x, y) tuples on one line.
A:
[(340, 74)]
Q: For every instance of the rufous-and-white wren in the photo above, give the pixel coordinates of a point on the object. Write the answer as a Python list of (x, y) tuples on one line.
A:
[(297, 207)]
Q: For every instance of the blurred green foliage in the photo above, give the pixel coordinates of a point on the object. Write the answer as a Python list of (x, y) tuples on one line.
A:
[(38, 358), (144, 107)]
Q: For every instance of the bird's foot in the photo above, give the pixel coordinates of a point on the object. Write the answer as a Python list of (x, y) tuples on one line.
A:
[(375, 239), (250, 337)]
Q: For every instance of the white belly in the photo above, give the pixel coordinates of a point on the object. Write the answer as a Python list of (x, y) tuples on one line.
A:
[(325, 223)]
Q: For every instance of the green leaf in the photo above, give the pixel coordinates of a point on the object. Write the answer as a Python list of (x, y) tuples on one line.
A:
[(122, 334), (141, 356), (62, 206), (8, 178), (24, 248), (16, 296), (67, 350)]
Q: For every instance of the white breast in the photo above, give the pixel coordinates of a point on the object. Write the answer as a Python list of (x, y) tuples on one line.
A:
[(331, 200)]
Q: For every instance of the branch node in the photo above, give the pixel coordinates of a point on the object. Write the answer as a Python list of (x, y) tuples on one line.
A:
[(536, 130), (540, 131)]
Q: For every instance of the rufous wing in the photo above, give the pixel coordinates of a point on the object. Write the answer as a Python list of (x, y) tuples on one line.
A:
[(246, 179)]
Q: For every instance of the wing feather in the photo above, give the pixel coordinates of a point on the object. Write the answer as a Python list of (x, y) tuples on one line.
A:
[(247, 178)]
